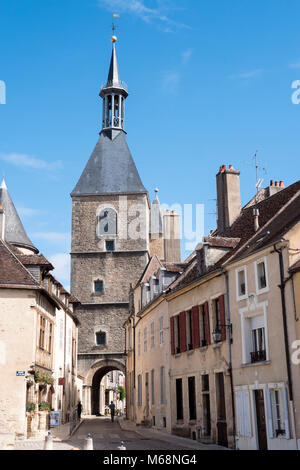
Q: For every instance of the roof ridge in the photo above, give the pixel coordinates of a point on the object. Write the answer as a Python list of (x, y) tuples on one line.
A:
[(297, 194)]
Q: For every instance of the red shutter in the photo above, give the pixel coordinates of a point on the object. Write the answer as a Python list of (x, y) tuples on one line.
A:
[(222, 317), (207, 327), (172, 335), (182, 326), (195, 326)]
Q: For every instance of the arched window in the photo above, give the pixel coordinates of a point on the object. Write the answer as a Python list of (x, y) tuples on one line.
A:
[(107, 224)]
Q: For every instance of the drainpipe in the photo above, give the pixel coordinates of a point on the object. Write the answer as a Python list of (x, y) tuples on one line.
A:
[(229, 333), (285, 332)]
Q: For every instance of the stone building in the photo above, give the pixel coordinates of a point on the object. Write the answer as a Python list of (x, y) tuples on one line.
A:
[(38, 335), (115, 229)]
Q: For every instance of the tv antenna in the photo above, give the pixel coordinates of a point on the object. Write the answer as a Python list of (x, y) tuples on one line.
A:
[(259, 181)]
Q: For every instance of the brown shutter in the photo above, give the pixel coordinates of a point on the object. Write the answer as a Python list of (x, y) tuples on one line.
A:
[(172, 335), (195, 326), (222, 317), (207, 326), (182, 326)]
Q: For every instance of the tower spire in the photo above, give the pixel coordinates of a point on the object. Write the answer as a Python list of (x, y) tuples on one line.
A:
[(114, 94)]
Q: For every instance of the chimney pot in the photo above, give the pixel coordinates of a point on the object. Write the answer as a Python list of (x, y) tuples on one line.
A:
[(231, 167), (281, 184), (168, 212), (272, 183), (276, 184)]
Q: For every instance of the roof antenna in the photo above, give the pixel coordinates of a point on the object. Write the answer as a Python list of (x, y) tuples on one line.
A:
[(259, 181)]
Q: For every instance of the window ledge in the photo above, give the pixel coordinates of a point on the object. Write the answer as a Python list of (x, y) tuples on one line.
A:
[(177, 355), (190, 352), (253, 364)]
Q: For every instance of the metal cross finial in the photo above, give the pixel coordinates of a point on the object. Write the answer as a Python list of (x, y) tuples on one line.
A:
[(115, 15)]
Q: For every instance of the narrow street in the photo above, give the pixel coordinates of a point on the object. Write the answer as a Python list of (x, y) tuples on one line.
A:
[(108, 436)]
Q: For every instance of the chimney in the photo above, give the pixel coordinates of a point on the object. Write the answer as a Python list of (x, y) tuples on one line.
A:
[(275, 187), (172, 237), (256, 219), (2, 222), (229, 197)]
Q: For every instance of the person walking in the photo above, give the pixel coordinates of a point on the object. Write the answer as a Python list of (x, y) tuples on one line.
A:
[(112, 407), (79, 409)]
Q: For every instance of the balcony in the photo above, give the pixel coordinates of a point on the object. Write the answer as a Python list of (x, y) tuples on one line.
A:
[(258, 356)]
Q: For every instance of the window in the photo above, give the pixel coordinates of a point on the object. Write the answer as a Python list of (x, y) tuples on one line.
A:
[(206, 405), (42, 333), (259, 349), (162, 386), (110, 245), (203, 339), (139, 390), (277, 407), (161, 330), (98, 287), (152, 387), (192, 398), (179, 399), (101, 338), (156, 286), (261, 275), (177, 334), (145, 339), (139, 342), (107, 223), (129, 337), (241, 283), (50, 338), (152, 335), (189, 329)]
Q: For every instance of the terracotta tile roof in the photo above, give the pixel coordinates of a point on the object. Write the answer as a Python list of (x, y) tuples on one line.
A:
[(271, 219), (12, 272), (32, 260)]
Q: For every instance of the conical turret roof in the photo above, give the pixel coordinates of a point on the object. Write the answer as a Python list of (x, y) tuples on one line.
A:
[(14, 230)]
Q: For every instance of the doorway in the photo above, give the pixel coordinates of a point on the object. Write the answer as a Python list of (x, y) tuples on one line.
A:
[(261, 420)]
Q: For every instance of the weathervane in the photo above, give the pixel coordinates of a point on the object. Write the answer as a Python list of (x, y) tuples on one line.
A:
[(114, 37)]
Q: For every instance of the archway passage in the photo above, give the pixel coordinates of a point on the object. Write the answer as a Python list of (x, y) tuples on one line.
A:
[(95, 389)]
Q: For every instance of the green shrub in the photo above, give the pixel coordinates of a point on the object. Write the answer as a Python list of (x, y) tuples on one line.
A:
[(44, 406), (30, 406), (122, 392)]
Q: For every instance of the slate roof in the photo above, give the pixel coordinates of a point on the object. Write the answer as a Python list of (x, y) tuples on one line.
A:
[(110, 169), (12, 272), (14, 230)]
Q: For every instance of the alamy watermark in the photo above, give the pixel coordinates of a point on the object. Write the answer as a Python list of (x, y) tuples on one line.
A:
[(2, 92), (296, 353), (296, 94)]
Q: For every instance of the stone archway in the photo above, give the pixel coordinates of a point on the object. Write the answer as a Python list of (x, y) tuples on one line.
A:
[(96, 373)]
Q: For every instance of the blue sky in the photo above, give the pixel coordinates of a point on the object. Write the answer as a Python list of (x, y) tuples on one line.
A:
[(209, 82)]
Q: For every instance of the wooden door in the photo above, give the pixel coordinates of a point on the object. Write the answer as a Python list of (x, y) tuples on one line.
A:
[(261, 420)]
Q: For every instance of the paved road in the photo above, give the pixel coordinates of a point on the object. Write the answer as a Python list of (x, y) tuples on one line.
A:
[(108, 436)]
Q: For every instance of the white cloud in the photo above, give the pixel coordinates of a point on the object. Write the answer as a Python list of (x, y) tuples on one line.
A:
[(295, 65), (28, 212), (158, 15), (246, 75), (171, 81), (186, 56), (23, 160), (61, 263)]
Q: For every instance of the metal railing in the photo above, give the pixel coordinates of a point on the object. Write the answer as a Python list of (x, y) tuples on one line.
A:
[(258, 356), (112, 84)]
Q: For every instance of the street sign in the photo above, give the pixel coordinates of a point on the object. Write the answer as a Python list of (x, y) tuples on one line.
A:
[(20, 373)]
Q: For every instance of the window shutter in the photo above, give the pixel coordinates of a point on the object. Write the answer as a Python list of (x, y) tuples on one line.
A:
[(269, 413), (182, 324), (222, 317), (286, 413), (172, 335), (195, 326), (207, 327)]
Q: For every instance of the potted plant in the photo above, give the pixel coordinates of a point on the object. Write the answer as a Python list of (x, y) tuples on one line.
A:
[(30, 406), (44, 406)]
